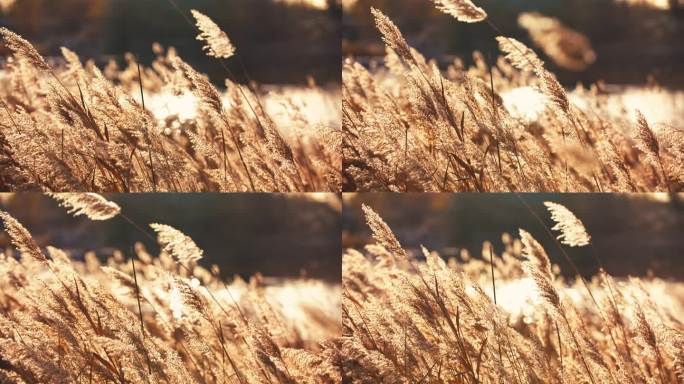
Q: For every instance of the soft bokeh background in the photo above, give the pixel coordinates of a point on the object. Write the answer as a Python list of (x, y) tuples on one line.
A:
[(278, 41), (633, 234), (637, 41), (276, 235)]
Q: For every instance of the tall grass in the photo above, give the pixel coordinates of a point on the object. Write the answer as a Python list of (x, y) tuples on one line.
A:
[(71, 126), (139, 318), (503, 317), (503, 126)]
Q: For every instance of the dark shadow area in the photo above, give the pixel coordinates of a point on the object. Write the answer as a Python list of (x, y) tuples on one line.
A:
[(271, 234), (632, 234), (635, 44), (276, 42)]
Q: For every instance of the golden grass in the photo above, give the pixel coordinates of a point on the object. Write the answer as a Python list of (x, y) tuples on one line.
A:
[(139, 318), (71, 126), (411, 127), (504, 317)]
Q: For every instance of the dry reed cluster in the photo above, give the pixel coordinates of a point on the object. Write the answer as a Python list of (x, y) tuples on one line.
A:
[(70, 126), (413, 127), (503, 318), (135, 318)]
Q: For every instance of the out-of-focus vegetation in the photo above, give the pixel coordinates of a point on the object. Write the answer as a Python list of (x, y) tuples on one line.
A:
[(188, 124), (279, 41), (243, 234), (503, 315), (144, 317), (635, 32), (634, 234), (415, 123)]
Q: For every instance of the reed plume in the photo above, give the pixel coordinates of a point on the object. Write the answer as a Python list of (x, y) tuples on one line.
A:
[(435, 321), (218, 43), (647, 138), (567, 48), (535, 253), (105, 319), (22, 49), (498, 125), (521, 56), (180, 246), (462, 10), (91, 205), (391, 35), (382, 232), (21, 238), (572, 230), (73, 126)]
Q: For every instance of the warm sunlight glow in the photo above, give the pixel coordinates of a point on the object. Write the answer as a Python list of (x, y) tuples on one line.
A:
[(318, 4), (526, 102), (660, 4)]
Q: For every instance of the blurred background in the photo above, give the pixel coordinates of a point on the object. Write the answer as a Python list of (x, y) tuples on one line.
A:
[(633, 234), (278, 41), (277, 235), (636, 41)]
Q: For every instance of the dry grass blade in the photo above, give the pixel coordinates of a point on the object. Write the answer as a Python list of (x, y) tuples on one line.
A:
[(77, 127), (502, 125), (530, 327), (143, 320)]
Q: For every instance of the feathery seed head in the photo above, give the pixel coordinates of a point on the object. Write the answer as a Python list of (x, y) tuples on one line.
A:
[(218, 43), (647, 138), (573, 232), (180, 246), (92, 205), (535, 253), (23, 49), (520, 55), (462, 10), (382, 233), (392, 36), (21, 238)]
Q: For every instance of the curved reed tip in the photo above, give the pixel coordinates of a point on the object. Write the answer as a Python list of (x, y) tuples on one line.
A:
[(391, 35), (179, 245), (21, 237), (463, 10), (218, 43), (22, 48), (91, 205), (382, 233), (572, 230), (520, 55), (647, 138)]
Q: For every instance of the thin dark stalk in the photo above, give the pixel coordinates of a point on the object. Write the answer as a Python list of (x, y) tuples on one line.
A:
[(239, 151), (142, 324), (491, 263), (225, 67), (147, 132), (225, 157), (560, 348)]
